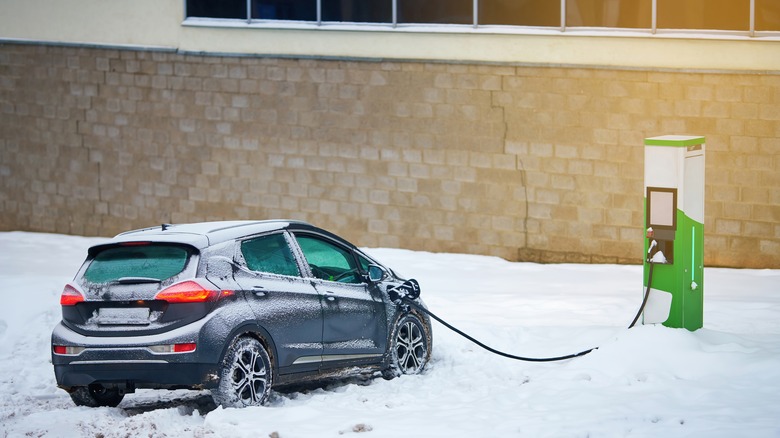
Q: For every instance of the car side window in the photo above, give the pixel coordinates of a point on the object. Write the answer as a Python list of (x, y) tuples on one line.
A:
[(269, 254), (328, 261), (364, 262)]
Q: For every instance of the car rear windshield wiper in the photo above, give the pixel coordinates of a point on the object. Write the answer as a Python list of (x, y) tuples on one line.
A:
[(137, 280)]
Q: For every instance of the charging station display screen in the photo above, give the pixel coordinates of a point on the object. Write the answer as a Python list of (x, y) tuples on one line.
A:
[(661, 207)]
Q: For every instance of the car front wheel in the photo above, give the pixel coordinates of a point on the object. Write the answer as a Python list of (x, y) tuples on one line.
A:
[(410, 347), (245, 376), (96, 396)]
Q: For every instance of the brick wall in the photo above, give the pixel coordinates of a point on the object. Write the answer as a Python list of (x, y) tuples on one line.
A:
[(526, 163)]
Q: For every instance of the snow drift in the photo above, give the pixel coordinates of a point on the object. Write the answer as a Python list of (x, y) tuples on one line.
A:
[(720, 381)]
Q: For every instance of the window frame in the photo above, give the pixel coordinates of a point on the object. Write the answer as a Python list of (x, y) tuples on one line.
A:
[(319, 23)]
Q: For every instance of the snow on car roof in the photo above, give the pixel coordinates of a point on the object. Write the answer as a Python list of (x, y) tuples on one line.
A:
[(202, 234)]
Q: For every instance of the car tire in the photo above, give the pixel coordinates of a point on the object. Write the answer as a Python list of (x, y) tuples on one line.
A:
[(95, 396), (410, 347), (245, 376)]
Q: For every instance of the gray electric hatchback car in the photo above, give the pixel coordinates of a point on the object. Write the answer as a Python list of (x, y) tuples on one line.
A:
[(233, 307)]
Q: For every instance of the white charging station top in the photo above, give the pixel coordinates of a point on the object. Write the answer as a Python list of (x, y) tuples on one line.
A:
[(674, 140)]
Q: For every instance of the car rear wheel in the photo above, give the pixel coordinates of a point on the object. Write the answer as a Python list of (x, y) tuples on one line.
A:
[(410, 347), (96, 396), (245, 376)]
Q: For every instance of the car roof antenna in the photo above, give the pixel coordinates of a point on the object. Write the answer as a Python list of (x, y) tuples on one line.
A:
[(165, 226)]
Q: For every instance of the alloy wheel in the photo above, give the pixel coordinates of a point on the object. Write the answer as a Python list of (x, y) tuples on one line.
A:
[(249, 376), (411, 347), (246, 376)]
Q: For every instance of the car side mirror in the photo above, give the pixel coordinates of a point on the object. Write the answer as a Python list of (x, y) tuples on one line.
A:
[(376, 273)]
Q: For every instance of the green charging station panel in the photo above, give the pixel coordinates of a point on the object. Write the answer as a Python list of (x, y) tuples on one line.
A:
[(674, 224)]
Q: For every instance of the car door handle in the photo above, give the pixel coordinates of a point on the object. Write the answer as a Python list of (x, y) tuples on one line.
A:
[(259, 291), (330, 296)]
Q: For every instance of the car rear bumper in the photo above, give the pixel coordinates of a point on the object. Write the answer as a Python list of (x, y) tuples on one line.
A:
[(130, 362), (140, 374), (133, 375)]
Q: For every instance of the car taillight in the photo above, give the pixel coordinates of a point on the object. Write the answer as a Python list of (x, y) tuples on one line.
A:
[(183, 348), (71, 296), (174, 348), (70, 350), (190, 292)]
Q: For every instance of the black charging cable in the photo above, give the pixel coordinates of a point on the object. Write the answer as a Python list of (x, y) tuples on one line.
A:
[(647, 294), (490, 349), (409, 300)]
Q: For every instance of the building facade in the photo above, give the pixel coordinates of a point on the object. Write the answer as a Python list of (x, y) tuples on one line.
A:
[(518, 140)]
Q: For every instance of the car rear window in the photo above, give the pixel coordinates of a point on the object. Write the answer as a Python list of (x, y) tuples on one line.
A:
[(148, 261)]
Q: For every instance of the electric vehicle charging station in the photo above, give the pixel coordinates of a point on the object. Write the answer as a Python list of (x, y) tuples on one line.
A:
[(674, 243), (674, 223)]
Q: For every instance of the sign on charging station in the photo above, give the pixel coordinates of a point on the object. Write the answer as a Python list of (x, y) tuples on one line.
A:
[(674, 223)]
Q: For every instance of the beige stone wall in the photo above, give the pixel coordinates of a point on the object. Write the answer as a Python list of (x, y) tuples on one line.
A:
[(525, 163)]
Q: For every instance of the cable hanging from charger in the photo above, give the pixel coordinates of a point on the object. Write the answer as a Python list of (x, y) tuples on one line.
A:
[(490, 349), (410, 290)]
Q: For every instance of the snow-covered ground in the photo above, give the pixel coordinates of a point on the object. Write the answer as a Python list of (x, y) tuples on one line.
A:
[(651, 381)]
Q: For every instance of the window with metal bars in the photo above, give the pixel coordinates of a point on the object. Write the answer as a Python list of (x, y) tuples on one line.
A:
[(652, 15)]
